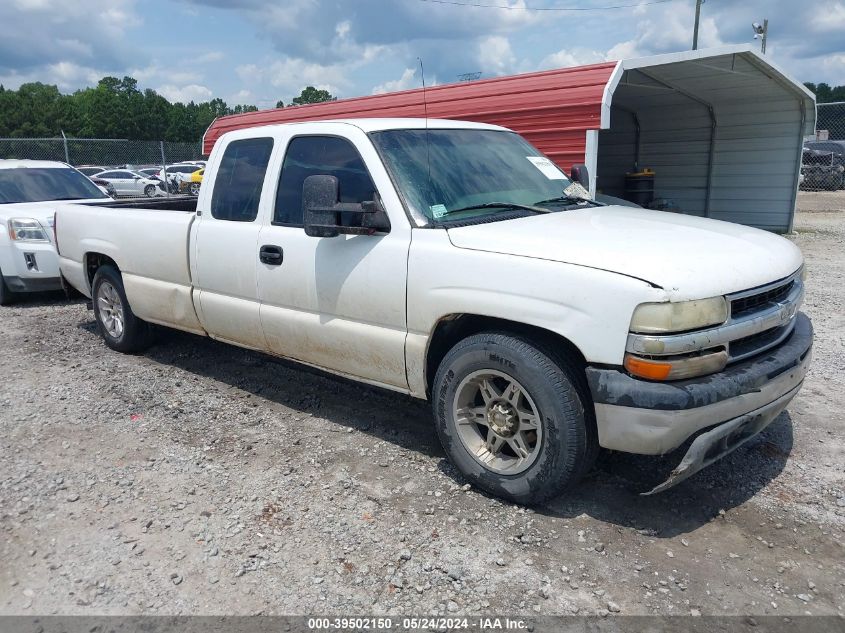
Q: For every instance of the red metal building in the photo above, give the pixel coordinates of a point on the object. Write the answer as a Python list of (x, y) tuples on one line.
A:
[(722, 128), (551, 109)]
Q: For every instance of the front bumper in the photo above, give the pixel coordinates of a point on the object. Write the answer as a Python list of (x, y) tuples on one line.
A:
[(654, 418), (34, 267)]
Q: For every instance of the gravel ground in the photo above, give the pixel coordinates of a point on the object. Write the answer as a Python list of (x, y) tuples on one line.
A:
[(200, 478)]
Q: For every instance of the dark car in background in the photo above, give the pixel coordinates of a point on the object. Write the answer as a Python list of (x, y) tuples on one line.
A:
[(822, 170), (834, 147)]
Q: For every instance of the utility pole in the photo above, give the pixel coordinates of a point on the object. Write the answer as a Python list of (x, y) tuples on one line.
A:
[(698, 4), (762, 32)]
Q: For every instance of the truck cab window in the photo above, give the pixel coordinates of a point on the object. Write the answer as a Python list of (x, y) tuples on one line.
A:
[(237, 188), (320, 155)]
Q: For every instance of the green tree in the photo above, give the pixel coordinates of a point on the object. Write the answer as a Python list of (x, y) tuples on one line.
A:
[(825, 93), (114, 108), (280, 104), (312, 95)]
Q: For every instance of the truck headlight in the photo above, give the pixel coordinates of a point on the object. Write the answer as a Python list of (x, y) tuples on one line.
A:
[(681, 316), (27, 230)]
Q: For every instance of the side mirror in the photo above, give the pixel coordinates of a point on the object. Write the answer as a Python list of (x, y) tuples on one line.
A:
[(321, 210), (581, 175)]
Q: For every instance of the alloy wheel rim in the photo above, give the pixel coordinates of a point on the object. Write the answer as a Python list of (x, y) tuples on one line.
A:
[(110, 309), (497, 421)]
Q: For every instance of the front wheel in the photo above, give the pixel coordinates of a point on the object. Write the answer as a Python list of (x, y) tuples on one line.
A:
[(513, 417), (7, 297), (150, 191), (118, 325), (195, 188)]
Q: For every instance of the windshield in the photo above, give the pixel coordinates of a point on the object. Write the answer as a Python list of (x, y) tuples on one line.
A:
[(39, 184), (498, 171)]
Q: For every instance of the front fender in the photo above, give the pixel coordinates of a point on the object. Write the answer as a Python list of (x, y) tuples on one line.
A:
[(589, 307)]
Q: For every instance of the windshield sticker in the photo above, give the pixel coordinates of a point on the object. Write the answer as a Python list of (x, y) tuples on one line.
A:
[(576, 190), (547, 167), (438, 210)]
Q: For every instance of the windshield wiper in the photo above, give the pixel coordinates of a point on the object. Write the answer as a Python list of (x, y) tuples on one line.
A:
[(501, 205), (571, 200)]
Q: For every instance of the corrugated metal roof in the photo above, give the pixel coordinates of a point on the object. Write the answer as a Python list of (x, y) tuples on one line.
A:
[(723, 127), (552, 109)]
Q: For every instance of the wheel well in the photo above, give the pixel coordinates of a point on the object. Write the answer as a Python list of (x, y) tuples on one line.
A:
[(455, 328), (93, 261)]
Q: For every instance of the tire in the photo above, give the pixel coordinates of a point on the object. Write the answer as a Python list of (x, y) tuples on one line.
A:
[(560, 450), (7, 297), (195, 188), (150, 191), (128, 334)]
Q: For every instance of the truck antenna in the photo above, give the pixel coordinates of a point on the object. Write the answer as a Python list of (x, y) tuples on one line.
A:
[(425, 111), (425, 102)]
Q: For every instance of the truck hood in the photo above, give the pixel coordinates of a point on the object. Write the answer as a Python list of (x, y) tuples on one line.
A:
[(689, 257), (41, 211)]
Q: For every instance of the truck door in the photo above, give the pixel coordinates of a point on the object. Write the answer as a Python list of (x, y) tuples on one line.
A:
[(337, 302), (225, 242)]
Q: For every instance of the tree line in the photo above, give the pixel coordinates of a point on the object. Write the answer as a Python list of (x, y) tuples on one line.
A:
[(825, 93), (115, 108)]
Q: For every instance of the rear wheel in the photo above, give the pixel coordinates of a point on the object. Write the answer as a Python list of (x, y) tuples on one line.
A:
[(195, 188), (119, 327), (513, 417), (7, 297)]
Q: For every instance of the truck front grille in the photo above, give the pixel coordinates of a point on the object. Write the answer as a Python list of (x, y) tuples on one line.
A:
[(749, 304), (756, 343)]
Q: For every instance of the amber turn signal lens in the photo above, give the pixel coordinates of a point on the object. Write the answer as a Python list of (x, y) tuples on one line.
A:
[(649, 369), (676, 368)]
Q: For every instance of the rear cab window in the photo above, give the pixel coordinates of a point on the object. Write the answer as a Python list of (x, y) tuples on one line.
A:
[(239, 180)]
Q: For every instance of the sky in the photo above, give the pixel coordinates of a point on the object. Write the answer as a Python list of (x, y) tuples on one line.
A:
[(259, 51)]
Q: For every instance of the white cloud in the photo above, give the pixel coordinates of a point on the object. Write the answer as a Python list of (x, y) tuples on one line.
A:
[(210, 57), (565, 58), (660, 31), (406, 81), (829, 18), (185, 94), (57, 30), (495, 55), (242, 96), (67, 76)]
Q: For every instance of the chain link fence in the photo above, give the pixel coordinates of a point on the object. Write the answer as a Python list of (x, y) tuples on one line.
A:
[(109, 153), (823, 169), (823, 165)]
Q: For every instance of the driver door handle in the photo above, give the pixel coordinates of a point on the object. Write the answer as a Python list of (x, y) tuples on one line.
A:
[(271, 255)]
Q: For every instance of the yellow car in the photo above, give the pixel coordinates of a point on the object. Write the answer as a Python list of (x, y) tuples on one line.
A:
[(196, 181)]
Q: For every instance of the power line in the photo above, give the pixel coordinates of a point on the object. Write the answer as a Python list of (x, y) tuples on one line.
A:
[(483, 5)]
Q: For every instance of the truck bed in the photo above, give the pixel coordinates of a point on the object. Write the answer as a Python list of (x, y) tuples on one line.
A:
[(187, 204), (148, 241)]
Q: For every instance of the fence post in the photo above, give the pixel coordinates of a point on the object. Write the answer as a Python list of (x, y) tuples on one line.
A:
[(64, 141), (164, 169)]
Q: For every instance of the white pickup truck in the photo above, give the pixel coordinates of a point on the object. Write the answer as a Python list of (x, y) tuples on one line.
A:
[(30, 191), (452, 261)]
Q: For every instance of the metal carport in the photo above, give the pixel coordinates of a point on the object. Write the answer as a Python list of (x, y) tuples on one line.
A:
[(722, 128)]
